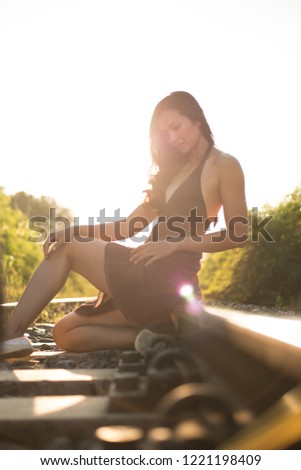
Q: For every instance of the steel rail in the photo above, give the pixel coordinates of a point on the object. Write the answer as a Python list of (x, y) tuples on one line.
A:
[(273, 340), (67, 300)]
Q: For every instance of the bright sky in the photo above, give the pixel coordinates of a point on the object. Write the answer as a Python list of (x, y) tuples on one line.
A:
[(79, 80)]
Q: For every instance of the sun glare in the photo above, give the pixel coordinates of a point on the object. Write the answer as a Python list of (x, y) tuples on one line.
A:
[(194, 304)]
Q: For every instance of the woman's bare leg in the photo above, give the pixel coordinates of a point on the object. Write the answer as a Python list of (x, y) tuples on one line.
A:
[(85, 258), (109, 330)]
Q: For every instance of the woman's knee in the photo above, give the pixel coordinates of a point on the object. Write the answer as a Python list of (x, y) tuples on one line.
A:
[(68, 249), (60, 334), (56, 333)]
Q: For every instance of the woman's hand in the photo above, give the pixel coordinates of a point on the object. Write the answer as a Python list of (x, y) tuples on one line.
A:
[(57, 239), (153, 251)]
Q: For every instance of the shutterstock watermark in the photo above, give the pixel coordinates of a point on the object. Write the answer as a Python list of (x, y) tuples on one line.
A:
[(175, 228)]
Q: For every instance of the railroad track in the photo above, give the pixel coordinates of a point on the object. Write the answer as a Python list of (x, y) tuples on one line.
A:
[(226, 380)]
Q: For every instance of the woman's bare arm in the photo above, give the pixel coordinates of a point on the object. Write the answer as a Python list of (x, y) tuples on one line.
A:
[(232, 197), (109, 231), (140, 218)]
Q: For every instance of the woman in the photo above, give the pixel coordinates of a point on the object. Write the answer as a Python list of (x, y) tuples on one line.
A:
[(193, 180)]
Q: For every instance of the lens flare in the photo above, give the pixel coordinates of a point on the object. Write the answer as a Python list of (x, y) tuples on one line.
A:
[(186, 291), (194, 304)]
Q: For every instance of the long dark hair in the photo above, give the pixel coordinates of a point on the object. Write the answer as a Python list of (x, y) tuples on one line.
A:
[(166, 160)]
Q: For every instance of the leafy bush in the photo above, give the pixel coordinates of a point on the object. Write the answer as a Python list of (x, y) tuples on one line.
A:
[(20, 257), (263, 272)]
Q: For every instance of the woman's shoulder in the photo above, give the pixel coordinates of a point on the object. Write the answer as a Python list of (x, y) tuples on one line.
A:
[(224, 160), (225, 167)]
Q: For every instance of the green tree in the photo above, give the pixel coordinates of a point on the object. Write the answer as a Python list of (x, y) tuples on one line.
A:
[(32, 206), (20, 256), (264, 272)]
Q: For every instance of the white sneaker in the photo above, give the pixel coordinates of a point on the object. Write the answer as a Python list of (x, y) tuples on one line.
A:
[(147, 342), (16, 347)]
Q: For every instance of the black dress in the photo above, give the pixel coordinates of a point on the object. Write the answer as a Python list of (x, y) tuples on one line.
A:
[(146, 295)]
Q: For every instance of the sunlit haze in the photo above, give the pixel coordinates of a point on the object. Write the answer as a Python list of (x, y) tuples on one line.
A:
[(80, 78)]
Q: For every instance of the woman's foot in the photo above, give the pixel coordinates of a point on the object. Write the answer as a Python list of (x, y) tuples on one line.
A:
[(16, 347)]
